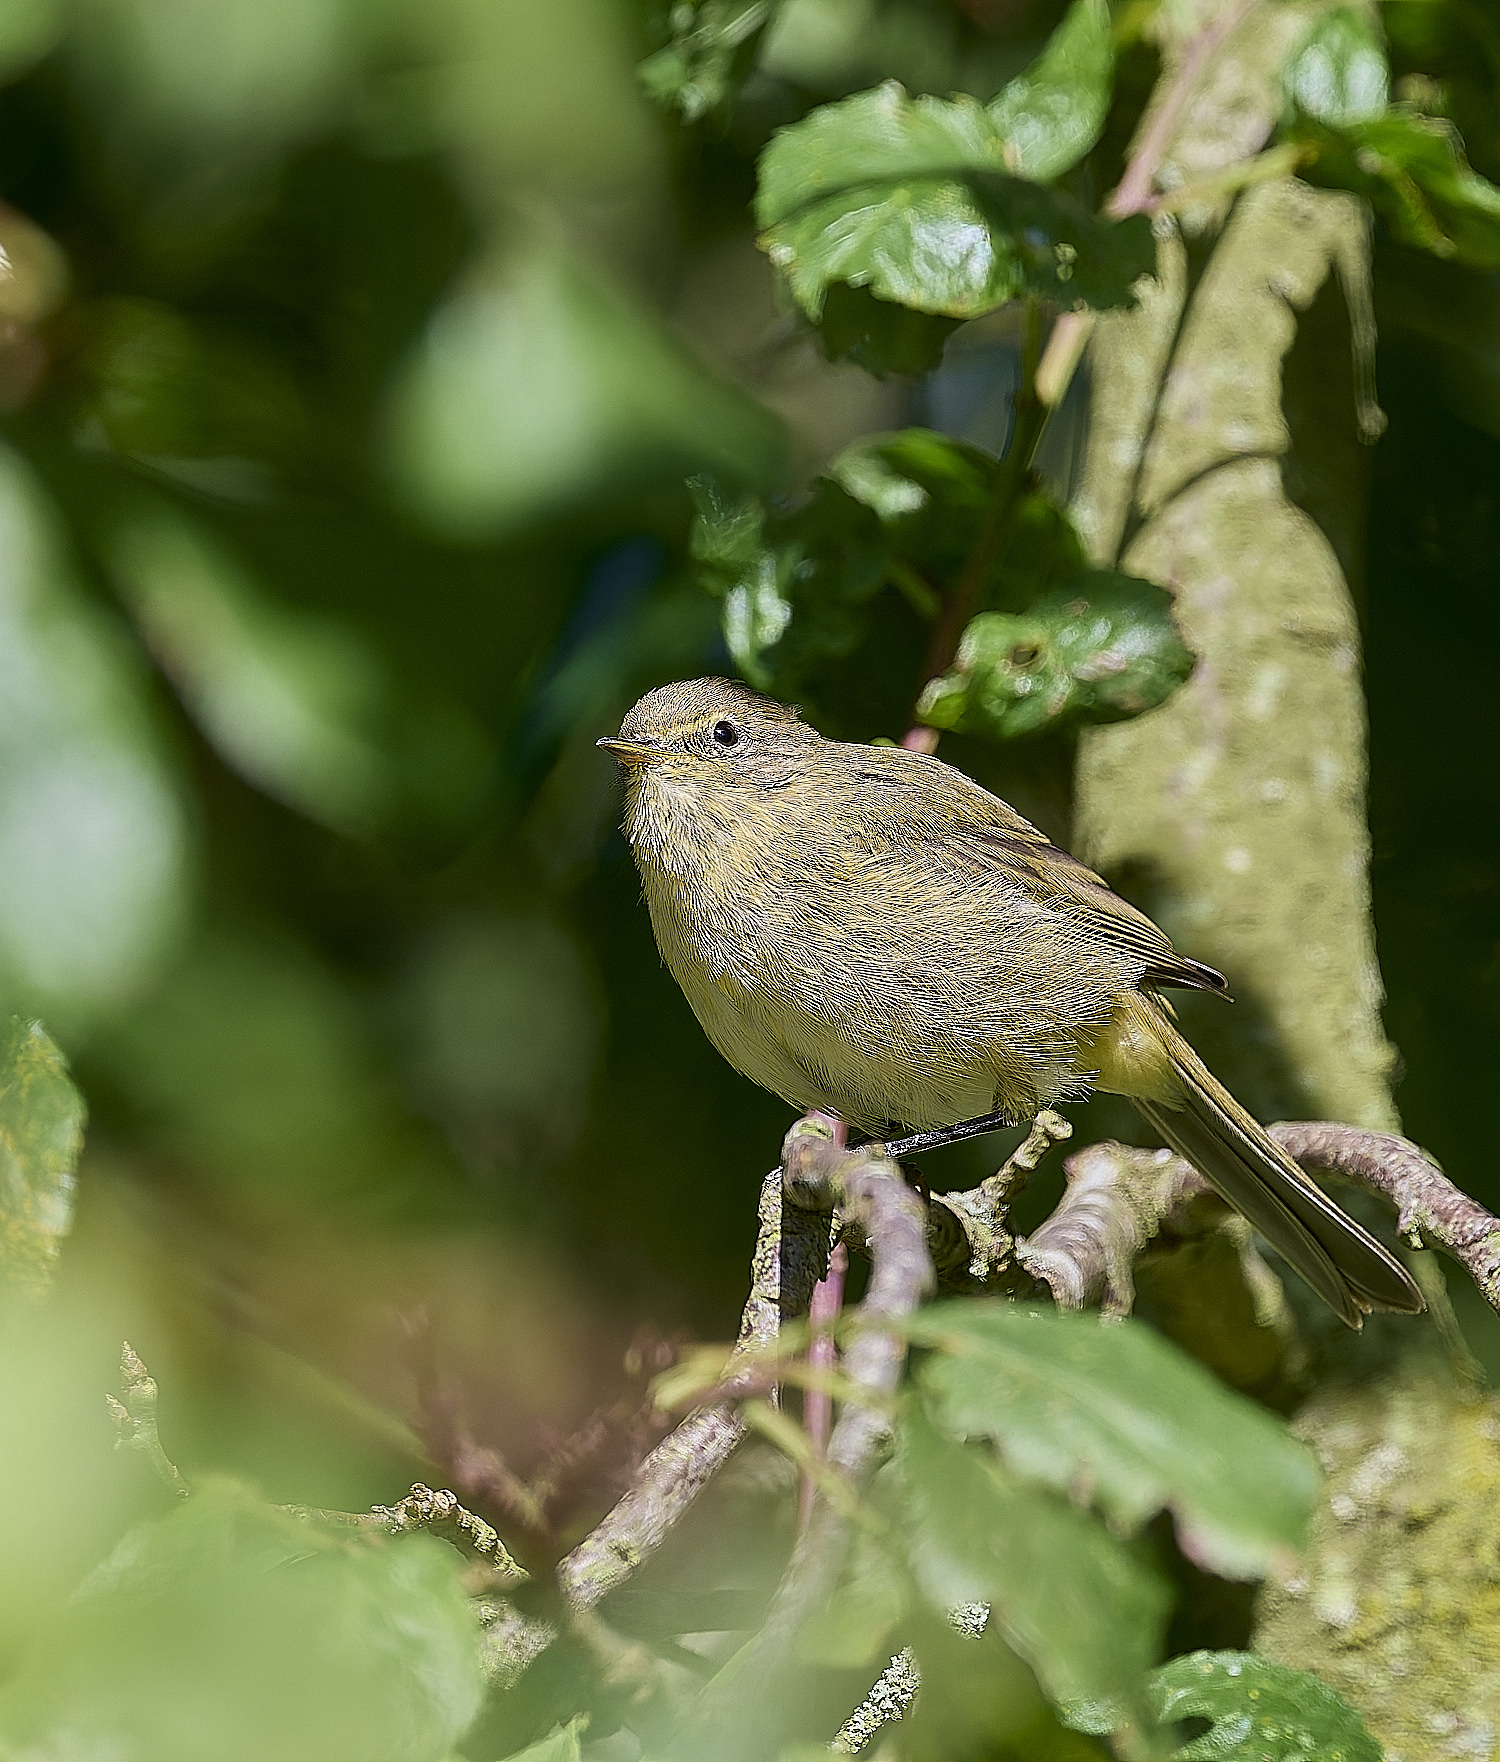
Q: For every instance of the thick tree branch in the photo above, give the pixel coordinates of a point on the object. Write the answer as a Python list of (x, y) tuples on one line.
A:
[(1118, 1198)]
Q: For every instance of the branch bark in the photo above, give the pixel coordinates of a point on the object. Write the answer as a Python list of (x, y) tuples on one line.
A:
[(1118, 1198)]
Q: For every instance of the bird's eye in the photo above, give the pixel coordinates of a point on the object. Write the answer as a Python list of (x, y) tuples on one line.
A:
[(726, 734)]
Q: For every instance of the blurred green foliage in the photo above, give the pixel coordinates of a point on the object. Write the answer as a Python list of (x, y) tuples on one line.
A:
[(345, 412)]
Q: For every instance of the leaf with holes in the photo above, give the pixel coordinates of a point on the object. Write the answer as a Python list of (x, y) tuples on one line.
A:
[(1100, 648), (1119, 1416), (1260, 1712)]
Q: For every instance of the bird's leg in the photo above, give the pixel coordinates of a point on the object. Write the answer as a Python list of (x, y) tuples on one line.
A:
[(896, 1148), (822, 1314)]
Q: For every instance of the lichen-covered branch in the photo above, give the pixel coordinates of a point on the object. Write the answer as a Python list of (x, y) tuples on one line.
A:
[(1119, 1198), (1430, 1210), (791, 1254), (437, 1511), (982, 1238)]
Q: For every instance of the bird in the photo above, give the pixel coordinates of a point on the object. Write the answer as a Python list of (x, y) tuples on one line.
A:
[(867, 932)]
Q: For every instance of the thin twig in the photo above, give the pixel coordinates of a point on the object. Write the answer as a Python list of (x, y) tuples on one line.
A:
[(1012, 477), (790, 1256), (822, 1355), (135, 1421), (1135, 192)]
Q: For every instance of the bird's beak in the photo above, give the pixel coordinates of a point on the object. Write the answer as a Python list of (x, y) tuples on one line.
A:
[(629, 752)]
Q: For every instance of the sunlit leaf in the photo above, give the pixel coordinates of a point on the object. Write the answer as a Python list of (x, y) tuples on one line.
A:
[(545, 383), (1098, 649), (1339, 74), (929, 203), (288, 700), (709, 46), (229, 1630), (960, 241), (1258, 1712), (1120, 1414), (41, 1134), (95, 845), (1052, 113), (1077, 1604)]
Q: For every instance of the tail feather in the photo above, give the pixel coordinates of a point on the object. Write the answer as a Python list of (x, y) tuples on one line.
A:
[(1343, 1263)]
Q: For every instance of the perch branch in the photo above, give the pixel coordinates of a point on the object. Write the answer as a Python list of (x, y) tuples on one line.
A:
[(1430, 1210), (983, 1238), (1118, 1198), (875, 1201), (790, 1257)]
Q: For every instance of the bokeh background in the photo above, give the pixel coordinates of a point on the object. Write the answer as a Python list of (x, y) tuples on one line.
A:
[(353, 358)]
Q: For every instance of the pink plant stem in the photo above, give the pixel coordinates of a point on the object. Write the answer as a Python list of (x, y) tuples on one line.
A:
[(817, 1404), (1136, 188), (822, 1314)]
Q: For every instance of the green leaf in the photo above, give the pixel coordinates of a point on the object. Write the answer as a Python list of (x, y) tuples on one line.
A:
[(1078, 1605), (1052, 114), (1412, 170), (41, 1134), (931, 203), (855, 1627), (1260, 1712), (1100, 648), (878, 335), (955, 244), (562, 1745), (541, 383), (228, 1629), (794, 587), (1339, 73), (93, 882), (1119, 1411), (708, 47)]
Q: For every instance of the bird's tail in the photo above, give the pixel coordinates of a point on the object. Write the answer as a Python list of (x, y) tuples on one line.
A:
[(1343, 1263)]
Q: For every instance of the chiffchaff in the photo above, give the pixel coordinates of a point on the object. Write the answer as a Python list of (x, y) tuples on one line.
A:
[(868, 932)]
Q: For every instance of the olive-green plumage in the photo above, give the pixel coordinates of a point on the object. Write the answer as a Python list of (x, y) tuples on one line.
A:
[(867, 931)]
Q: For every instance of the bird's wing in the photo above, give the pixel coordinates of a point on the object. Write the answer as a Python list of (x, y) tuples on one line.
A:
[(947, 812)]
